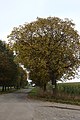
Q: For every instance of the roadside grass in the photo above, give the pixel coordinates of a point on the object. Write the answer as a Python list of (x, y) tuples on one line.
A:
[(11, 90), (38, 93), (8, 91)]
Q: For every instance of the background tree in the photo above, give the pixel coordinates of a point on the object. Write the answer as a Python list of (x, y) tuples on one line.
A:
[(49, 47), (22, 78), (8, 68)]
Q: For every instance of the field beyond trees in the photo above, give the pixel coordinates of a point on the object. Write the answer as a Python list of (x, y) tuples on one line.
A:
[(66, 93)]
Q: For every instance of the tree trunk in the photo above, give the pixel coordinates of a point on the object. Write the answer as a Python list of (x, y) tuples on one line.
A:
[(8, 88), (53, 80), (54, 86), (44, 87), (3, 88)]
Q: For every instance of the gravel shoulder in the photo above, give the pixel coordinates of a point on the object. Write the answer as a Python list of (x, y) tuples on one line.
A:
[(16, 106)]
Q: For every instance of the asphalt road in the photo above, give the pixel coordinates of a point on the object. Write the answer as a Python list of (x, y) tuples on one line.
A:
[(16, 106)]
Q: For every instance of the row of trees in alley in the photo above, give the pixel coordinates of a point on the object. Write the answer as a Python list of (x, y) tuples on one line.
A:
[(10, 72), (49, 47)]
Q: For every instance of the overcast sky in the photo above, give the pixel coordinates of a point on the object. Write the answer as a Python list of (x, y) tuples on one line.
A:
[(16, 12)]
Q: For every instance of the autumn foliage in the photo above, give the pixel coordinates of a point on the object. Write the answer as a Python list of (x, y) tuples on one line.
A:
[(49, 47)]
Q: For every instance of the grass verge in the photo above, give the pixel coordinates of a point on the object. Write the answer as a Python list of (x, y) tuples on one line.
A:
[(8, 91), (37, 93)]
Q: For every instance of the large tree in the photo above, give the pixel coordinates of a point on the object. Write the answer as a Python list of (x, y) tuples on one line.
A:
[(49, 47)]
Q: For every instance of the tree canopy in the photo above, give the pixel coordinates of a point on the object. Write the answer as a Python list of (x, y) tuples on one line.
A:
[(8, 68), (49, 47)]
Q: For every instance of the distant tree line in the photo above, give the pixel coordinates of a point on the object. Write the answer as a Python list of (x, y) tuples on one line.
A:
[(11, 74)]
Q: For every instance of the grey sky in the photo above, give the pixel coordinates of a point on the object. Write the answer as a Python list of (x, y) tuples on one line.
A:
[(17, 12)]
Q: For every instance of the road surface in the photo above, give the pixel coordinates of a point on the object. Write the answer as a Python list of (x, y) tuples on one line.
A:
[(16, 106)]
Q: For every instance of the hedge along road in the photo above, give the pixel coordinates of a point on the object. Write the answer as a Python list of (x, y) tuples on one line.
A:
[(16, 106)]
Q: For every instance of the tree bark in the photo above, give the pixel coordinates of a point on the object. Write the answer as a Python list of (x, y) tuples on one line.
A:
[(53, 80), (44, 87), (54, 86), (3, 88), (8, 87)]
